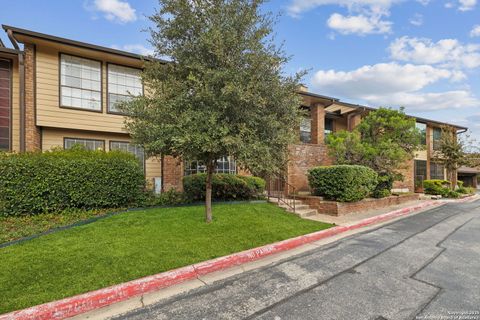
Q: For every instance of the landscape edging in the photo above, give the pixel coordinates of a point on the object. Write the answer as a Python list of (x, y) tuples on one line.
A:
[(69, 307)]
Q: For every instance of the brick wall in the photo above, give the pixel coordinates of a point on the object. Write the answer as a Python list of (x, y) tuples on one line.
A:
[(408, 172), (342, 208), (32, 132), (302, 158), (172, 173)]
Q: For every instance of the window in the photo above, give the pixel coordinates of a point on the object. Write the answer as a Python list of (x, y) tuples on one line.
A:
[(437, 171), (422, 127), (224, 165), (437, 136), (89, 144), (306, 130), (5, 95), (328, 126), (80, 83), (130, 148), (122, 83), (420, 173)]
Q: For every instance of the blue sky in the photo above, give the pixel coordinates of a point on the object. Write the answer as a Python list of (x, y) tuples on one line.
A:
[(421, 54)]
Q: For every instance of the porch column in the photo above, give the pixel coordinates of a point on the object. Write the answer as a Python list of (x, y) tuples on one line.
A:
[(353, 121), (318, 124)]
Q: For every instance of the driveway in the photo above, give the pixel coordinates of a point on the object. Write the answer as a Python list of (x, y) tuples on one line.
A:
[(423, 267)]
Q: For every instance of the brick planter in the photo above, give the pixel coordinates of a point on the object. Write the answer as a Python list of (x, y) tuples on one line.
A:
[(335, 208)]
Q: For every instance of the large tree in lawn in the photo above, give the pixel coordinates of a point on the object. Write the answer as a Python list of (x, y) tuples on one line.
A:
[(222, 94)]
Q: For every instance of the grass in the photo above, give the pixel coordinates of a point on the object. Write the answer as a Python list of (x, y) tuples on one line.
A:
[(135, 244), (12, 228)]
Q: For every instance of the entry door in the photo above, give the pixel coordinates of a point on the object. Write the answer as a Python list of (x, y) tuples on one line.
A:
[(420, 174), (5, 104)]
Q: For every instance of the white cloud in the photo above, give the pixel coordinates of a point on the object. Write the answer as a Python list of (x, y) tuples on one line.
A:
[(364, 16), (416, 20), (392, 84), (360, 24), (466, 5), (116, 10), (299, 6), (475, 31), (445, 52), (135, 48)]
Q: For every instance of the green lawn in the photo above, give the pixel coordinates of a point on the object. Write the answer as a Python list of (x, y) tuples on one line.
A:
[(135, 244), (12, 228)]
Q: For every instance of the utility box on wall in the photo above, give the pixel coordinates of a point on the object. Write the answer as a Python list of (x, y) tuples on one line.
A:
[(157, 185)]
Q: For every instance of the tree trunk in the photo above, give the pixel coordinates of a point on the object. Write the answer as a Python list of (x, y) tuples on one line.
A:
[(208, 194)]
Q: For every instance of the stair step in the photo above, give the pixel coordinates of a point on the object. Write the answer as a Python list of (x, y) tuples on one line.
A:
[(297, 206), (304, 212)]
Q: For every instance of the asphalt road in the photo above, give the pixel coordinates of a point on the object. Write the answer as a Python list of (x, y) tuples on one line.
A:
[(423, 267)]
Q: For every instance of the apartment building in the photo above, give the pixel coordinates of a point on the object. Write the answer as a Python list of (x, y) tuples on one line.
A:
[(57, 92)]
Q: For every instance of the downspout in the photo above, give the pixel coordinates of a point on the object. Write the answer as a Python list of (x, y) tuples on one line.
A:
[(21, 72)]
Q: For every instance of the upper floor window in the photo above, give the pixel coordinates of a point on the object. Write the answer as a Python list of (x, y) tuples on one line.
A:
[(422, 127), (130, 148), (437, 136), (224, 165), (306, 130), (89, 144), (80, 83), (5, 96), (123, 82), (328, 126)]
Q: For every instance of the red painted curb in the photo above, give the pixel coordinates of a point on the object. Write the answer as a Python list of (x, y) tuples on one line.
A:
[(89, 301)]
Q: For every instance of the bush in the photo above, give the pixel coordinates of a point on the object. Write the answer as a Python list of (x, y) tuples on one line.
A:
[(344, 183), (167, 198), (436, 187), (224, 187), (53, 181), (384, 186)]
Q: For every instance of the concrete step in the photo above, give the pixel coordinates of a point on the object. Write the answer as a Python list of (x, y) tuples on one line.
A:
[(297, 206), (275, 201), (304, 212)]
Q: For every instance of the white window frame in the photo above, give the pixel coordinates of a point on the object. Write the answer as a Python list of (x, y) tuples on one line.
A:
[(84, 142), (89, 76), (122, 85), (224, 165), (126, 146)]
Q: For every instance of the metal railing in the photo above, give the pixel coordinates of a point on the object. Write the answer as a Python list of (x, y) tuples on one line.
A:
[(280, 189)]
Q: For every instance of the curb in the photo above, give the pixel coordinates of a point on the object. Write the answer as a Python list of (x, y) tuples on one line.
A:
[(69, 307)]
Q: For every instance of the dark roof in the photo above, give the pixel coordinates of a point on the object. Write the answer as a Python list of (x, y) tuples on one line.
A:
[(468, 170), (1, 43), (373, 109), (9, 51), (77, 43)]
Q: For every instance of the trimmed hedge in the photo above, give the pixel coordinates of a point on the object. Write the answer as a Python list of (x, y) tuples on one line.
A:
[(33, 183), (344, 183), (224, 187), (436, 187)]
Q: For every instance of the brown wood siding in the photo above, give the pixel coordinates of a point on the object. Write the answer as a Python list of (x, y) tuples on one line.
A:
[(53, 137), (49, 113)]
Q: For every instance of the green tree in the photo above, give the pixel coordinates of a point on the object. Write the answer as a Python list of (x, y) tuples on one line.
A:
[(454, 152), (223, 93), (383, 141)]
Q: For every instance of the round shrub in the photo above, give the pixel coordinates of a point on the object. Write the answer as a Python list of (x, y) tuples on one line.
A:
[(33, 183), (224, 187), (344, 183), (436, 187)]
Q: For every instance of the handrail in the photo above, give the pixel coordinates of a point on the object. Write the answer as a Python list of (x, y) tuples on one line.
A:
[(279, 188)]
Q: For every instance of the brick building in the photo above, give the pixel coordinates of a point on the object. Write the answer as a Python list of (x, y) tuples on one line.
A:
[(57, 92)]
